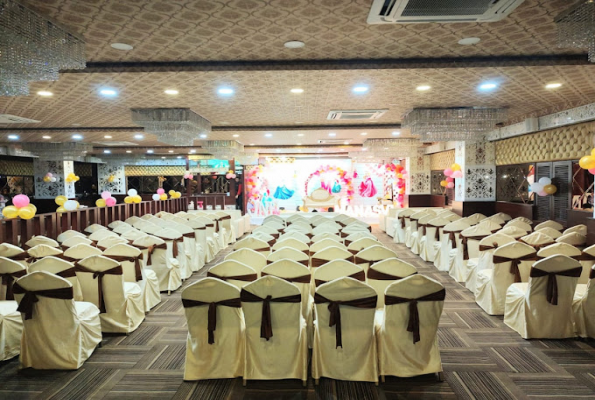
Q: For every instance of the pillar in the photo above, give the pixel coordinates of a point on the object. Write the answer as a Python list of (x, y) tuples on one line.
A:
[(477, 188), (60, 170), (418, 180), (117, 183)]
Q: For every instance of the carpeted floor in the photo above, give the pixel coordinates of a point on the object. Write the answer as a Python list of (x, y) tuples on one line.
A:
[(482, 359)]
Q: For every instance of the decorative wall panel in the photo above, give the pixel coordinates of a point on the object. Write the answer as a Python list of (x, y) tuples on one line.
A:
[(512, 182), (154, 170), (420, 183), (118, 184), (480, 184), (16, 168), (442, 160), (83, 169)]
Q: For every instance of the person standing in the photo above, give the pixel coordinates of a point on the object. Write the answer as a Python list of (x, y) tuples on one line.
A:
[(239, 194)]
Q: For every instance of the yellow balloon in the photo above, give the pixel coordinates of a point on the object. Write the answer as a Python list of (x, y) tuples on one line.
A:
[(26, 213), (60, 200), (443, 183), (47, 179), (60, 209), (10, 212), (111, 178), (163, 197), (587, 162), (455, 167), (171, 192), (550, 189), (100, 203), (593, 152), (137, 199), (128, 200), (32, 207)]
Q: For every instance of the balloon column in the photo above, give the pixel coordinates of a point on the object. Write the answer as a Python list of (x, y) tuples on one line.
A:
[(230, 175), (65, 204), (71, 178), (345, 177), (451, 174), (21, 207), (588, 162), (106, 200), (401, 176), (132, 197), (49, 178), (543, 187)]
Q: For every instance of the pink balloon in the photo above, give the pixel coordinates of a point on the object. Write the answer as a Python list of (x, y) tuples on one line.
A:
[(49, 174), (110, 202), (20, 200), (106, 195), (457, 174), (448, 172), (450, 185), (542, 193), (400, 197), (160, 191), (450, 179), (592, 171)]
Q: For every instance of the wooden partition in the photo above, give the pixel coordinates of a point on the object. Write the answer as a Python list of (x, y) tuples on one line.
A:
[(18, 231)]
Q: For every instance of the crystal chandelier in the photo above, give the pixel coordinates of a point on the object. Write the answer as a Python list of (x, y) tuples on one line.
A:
[(576, 27), (173, 126), (392, 148), (223, 149), (58, 151), (32, 48), (365, 157), (445, 124), (247, 158)]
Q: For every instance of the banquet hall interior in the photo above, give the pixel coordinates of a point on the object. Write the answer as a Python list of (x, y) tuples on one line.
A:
[(297, 199)]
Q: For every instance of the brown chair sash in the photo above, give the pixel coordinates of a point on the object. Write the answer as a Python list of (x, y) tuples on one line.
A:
[(359, 260), (266, 325), (382, 276), (152, 248), (189, 235), (359, 275), (413, 324), (354, 252), (584, 257), (211, 225), (30, 297), (225, 217), (402, 219), (334, 308), (243, 278), (452, 237), (99, 276), (8, 280), (341, 224), (317, 262), (552, 282), (423, 227), (514, 264), (436, 233), (464, 243), (212, 313), (272, 242), (20, 257), (261, 249), (537, 247), (486, 247), (310, 235), (136, 260), (202, 228), (67, 273), (275, 235), (295, 279), (592, 274), (303, 262), (217, 227), (344, 235)]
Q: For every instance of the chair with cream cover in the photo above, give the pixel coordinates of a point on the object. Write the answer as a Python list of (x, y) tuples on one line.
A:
[(42, 250), (175, 239), (15, 253), (358, 245), (381, 274), (486, 249), (111, 241), (288, 253), (80, 251), (265, 237), (542, 308), (407, 333), (10, 271), (573, 238), (68, 234), (133, 234), (11, 324), (503, 216), (292, 218), (191, 247), (46, 344), (131, 259), (120, 303), (145, 225), (344, 345), (114, 224), (318, 219), (582, 229), (302, 237), (446, 249), (451, 217), (329, 254), (496, 219), (150, 216), (293, 243), (254, 244), (513, 231), (551, 232), (276, 340), (39, 239), (275, 218), (583, 307), (519, 224), (74, 240), (490, 225), (326, 228), (389, 221), (358, 235), (94, 228), (371, 255), (537, 240), (415, 230), (132, 220), (200, 236), (218, 234), (475, 218), (279, 226), (211, 237), (268, 229), (324, 243), (227, 230), (123, 227), (512, 264), (354, 227), (234, 272), (550, 224), (587, 260), (326, 235), (158, 256), (302, 227), (61, 268), (467, 251), (255, 260), (337, 269), (216, 329), (572, 252)]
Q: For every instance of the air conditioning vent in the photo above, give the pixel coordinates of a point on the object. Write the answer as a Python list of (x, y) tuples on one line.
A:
[(424, 11), (13, 119), (355, 114)]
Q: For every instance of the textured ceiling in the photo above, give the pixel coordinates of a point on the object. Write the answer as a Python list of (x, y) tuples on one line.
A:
[(197, 30)]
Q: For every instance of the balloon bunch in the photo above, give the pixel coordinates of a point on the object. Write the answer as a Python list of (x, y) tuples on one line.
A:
[(49, 178), (174, 195), (588, 162), (230, 175), (451, 174), (132, 197), (65, 204), (71, 177), (345, 177), (106, 200), (21, 207), (401, 175), (160, 195), (188, 175), (543, 187)]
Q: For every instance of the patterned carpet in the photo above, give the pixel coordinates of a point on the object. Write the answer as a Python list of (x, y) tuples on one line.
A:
[(482, 358)]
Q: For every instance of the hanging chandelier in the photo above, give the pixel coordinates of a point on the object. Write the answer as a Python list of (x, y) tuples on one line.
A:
[(576, 27), (58, 151), (223, 149), (32, 48), (173, 126), (446, 124), (247, 158), (391, 148), (366, 157)]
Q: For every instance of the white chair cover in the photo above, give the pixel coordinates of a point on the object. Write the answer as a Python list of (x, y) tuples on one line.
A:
[(288, 253), (273, 218), (542, 308), (293, 243), (582, 229), (486, 249), (587, 260), (113, 225), (191, 246), (467, 251), (41, 251), (372, 255), (358, 235), (10, 271), (387, 221), (503, 216), (446, 250), (68, 234), (39, 239), (415, 230), (337, 269), (302, 237), (496, 219), (11, 330), (324, 243), (133, 234), (537, 240), (381, 274), (550, 224), (573, 238), (254, 244), (94, 228), (551, 232), (227, 230), (74, 240), (513, 231), (326, 228), (111, 241), (80, 251), (257, 261), (329, 254), (61, 268), (523, 219), (158, 257), (358, 245), (475, 218), (132, 220), (519, 224), (233, 272), (49, 345), (490, 224), (428, 244), (326, 235), (221, 356), (583, 307)]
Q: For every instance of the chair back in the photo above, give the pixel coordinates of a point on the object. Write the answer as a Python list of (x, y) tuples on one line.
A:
[(93, 228), (102, 282), (61, 268), (296, 273), (385, 272), (253, 243), (39, 239), (10, 271), (329, 254), (550, 224), (324, 243), (496, 219), (553, 283), (114, 224), (551, 232), (123, 227), (337, 269), (513, 231), (132, 220), (300, 226), (372, 255), (111, 241), (357, 245), (358, 235), (99, 234), (537, 240), (274, 218), (470, 239), (288, 253), (327, 227), (512, 263), (582, 229), (265, 237), (233, 272), (293, 243), (475, 219), (503, 216), (131, 260), (519, 224), (253, 259), (80, 251), (490, 225), (133, 234), (74, 240), (41, 251), (68, 234), (327, 235), (573, 238)]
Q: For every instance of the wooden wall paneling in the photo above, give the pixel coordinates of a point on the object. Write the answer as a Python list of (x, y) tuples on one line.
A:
[(515, 209), (562, 200)]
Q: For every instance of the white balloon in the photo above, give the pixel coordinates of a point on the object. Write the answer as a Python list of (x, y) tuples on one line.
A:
[(155, 196), (536, 187), (70, 205), (132, 192), (545, 181), (53, 179)]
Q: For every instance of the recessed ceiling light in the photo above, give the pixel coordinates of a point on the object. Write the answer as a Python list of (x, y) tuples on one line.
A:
[(203, 135), (150, 151), (171, 91), (553, 85), (107, 92), (277, 150), (236, 135), (294, 44), (299, 144), (76, 124), (297, 90), (360, 89), (251, 144), (76, 136), (128, 151), (423, 88), (488, 86), (122, 46), (163, 158), (364, 133), (396, 133), (298, 122), (138, 136), (299, 150), (192, 151), (178, 157), (170, 151), (13, 137), (300, 134), (268, 135), (107, 137), (107, 151), (332, 134), (45, 93), (469, 41), (346, 142), (46, 137), (225, 91)]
